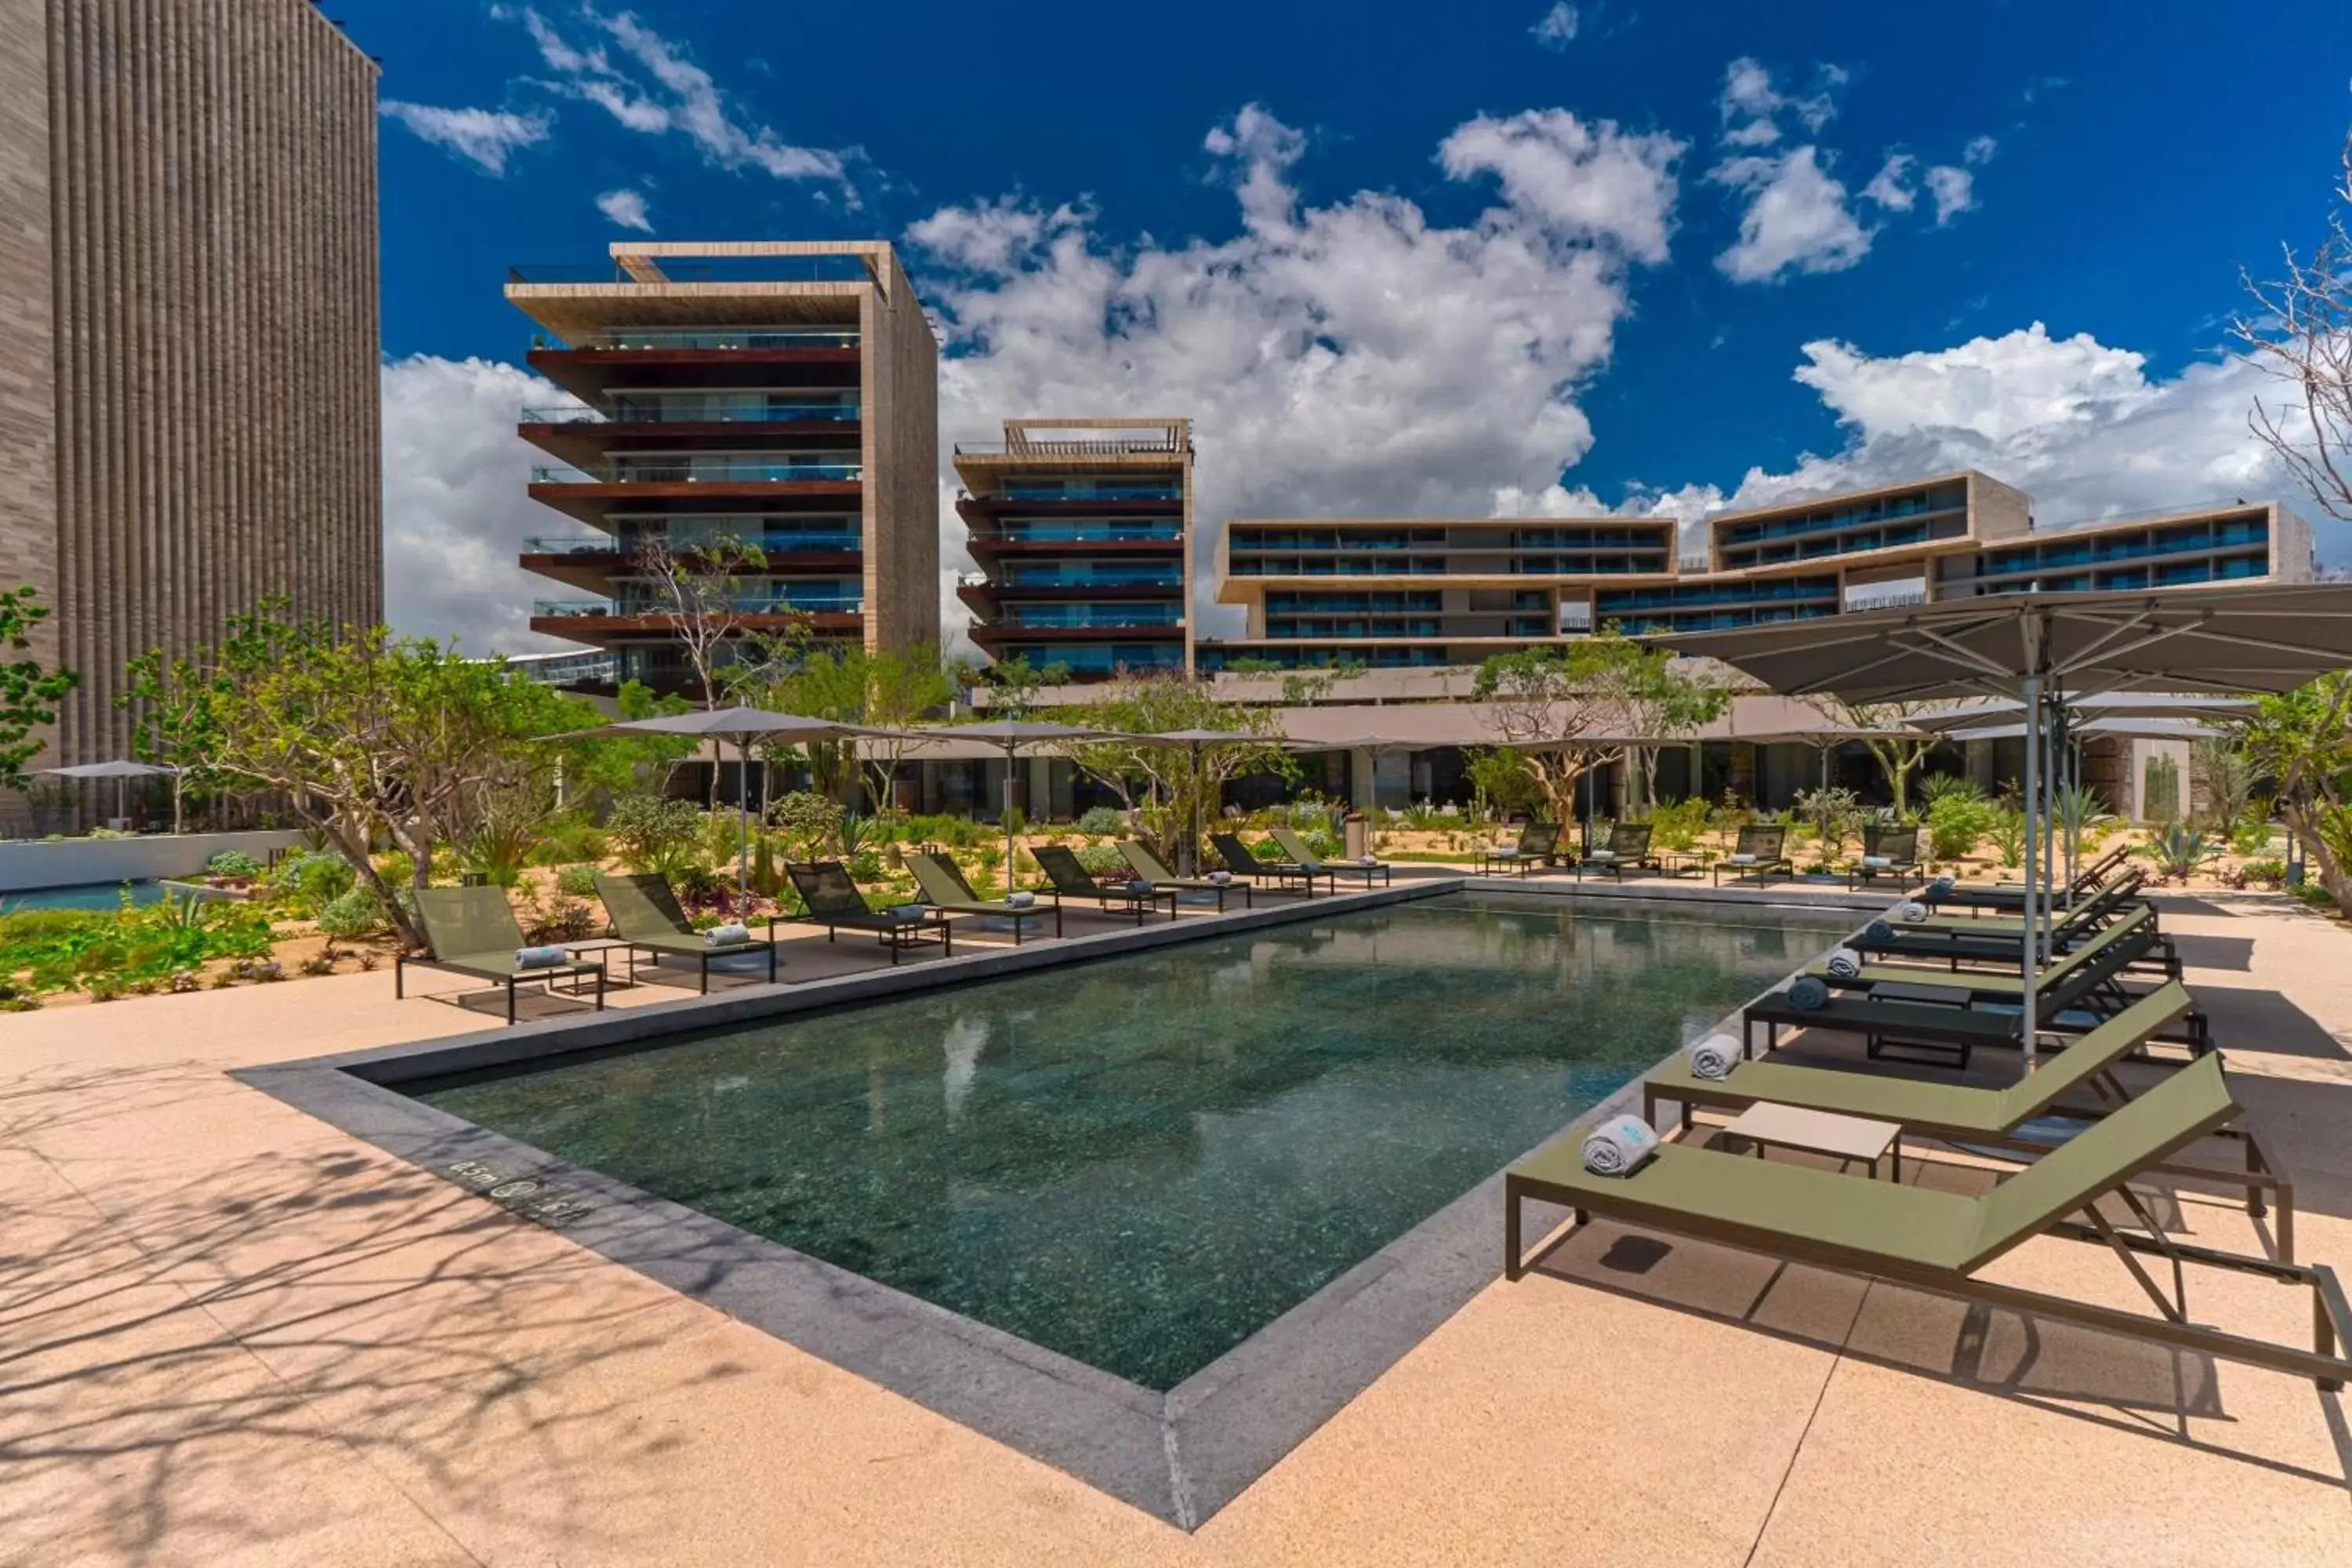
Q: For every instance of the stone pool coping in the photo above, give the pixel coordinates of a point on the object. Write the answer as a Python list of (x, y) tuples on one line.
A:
[(1179, 1456)]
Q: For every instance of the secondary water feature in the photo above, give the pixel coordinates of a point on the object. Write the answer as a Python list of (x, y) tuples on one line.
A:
[(1140, 1160)]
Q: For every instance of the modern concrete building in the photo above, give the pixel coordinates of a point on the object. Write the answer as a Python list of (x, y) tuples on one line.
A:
[(1082, 533), (1438, 593), (784, 394), (188, 327)]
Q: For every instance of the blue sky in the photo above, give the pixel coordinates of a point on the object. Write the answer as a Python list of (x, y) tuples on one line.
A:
[(1398, 260)]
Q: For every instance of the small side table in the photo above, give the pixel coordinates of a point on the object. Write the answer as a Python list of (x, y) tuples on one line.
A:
[(1845, 1139)]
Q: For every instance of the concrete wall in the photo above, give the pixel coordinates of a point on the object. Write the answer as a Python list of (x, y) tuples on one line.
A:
[(215, 282), (29, 520), (78, 862), (901, 372)]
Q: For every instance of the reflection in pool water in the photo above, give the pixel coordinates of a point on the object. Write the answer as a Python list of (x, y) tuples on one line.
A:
[(1141, 1160)]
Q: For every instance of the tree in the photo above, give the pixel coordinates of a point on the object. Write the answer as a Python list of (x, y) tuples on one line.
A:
[(1177, 786), (171, 698), (1013, 683), (367, 735), (695, 593), (2299, 330), (1575, 708), (1898, 757), (2302, 740), (889, 689), (29, 693)]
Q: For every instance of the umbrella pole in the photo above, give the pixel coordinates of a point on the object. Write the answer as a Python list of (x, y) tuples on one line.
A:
[(1008, 819), (743, 820), (1194, 850), (2027, 1021)]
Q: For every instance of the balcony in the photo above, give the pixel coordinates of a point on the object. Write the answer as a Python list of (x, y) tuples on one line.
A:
[(1836, 519), (721, 340), (753, 268), (1095, 662), (1085, 574), (704, 471), (1077, 616), (1027, 531), (2112, 550), (1100, 489), (704, 410)]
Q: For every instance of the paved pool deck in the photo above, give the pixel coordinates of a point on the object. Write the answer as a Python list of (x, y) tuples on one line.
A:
[(231, 1334)]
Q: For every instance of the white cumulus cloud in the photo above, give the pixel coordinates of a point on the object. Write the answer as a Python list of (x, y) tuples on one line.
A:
[(1555, 28), (626, 208), (1348, 357), (483, 137), (1954, 189), (456, 509), (1797, 219), (1890, 187), (651, 85)]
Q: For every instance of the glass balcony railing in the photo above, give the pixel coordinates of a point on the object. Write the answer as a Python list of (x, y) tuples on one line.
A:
[(766, 543), (1142, 490), (1834, 519), (1350, 630), (1021, 530), (1353, 604), (836, 267), (1628, 601), (1090, 615), (702, 411), (2100, 551), (1068, 574), (1098, 660), (702, 470), (749, 605), (722, 337)]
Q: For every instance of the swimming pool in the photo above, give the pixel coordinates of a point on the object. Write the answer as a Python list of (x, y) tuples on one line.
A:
[(88, 896), (1140, 1162)]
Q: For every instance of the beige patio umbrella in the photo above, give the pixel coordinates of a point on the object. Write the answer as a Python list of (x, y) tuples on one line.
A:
[(1010, 736), (2238, 638)]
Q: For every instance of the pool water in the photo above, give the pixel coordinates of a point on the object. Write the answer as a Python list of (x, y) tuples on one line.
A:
[(88, 895), (1141, 1160)]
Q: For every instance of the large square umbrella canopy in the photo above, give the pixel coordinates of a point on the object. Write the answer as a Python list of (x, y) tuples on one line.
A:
[(2250, 639)]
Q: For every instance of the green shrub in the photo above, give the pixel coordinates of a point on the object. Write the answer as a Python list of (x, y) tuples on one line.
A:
[(2178, 851), (62, 949), (354, 913), (1099, 859), (567, 837), (865, 866), (2009, 834), (576, 881), (1677, 826), (233, 863), (1957, 820), (312, 881), (656, 834), (1100, 821), (2269, 873)]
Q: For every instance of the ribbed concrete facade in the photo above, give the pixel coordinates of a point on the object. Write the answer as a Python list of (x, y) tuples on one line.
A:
[(206, 307)]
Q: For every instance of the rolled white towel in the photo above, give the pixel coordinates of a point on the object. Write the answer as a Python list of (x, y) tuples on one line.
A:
[(1619, 1145), (1220, 878), (1913, 912), (1601, 854), (1369, 862), (1501, 851), (1878, 862), (734, 933), (1943, 884), (1714, 1057), (906, 914), (538, 957), (1844, 963), (1739, 859), (1021, 900)]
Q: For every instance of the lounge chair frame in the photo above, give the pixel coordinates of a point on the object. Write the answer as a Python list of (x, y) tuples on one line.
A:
[(1769, 856), (1905, 868), (1072, 880), (1242, 862), (2010, 898), (1538, 845), (1150, 866), (1629, 845), (1306, 860), (972, 903), (828, 881), (616, 892), (2324, 1364), (476, 964)]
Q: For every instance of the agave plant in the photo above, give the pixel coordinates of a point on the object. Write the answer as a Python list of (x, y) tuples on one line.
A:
[(2180, 850), (2080, 812)]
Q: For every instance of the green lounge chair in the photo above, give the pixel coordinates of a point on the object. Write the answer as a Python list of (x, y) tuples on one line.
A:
[(2009, 897), (472, 931), (2002, 942), (835, 903), (943, 887), (646, 917), (1961, 1113), (1148, 866), (1938, 1241), (1072, 880), (1241, 861), (1886, 851), (2098, 906), (1941, 1029), (1985, 983), (1628, 847), (1538, 845), (1759, 852), (1306, 860)]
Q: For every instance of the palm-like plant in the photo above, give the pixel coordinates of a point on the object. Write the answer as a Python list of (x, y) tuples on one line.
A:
[(2178, 851)]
